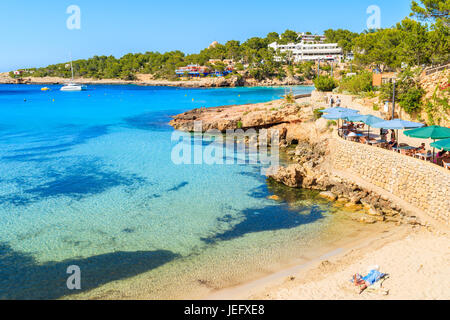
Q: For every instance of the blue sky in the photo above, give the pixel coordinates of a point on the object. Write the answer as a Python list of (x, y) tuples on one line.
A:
[(34, 33)]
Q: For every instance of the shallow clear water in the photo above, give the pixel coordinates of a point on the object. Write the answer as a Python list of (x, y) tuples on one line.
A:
[(86, 179)]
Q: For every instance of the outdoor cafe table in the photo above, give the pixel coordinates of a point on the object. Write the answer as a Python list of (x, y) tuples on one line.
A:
[(377, 142), (398, 149), (423, 156)]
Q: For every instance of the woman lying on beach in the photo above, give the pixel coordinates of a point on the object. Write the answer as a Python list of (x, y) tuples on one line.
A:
[(364, 282)]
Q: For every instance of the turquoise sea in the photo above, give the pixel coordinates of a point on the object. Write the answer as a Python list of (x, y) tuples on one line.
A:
[(86, 179)]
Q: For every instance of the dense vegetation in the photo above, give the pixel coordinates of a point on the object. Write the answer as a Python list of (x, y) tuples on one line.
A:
[(254, 53), (405, 48), (325, 83), (417, 41), (361, 82)]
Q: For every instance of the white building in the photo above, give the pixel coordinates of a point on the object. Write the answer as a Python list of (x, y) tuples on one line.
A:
[(305, 51), (311, 38)]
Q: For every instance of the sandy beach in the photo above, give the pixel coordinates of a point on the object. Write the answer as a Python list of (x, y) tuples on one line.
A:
[(417, 261)]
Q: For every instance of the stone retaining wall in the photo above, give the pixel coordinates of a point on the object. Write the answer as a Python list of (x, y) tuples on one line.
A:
[(423, 185)]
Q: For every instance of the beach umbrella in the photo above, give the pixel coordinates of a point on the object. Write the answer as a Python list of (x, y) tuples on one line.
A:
[(340, 114), (336, 115), (431, 132), (338, 109), (369, 120), (397, 124), (442, 144)]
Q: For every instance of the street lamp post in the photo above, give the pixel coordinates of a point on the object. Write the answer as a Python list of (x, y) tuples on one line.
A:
[(393, 99)]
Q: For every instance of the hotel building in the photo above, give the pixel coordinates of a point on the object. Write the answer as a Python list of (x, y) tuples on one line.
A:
[(309, 49)]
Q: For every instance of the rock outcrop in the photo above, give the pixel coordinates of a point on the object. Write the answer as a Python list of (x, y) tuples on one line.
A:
[(308, 173), (6, 79), (257, 116)]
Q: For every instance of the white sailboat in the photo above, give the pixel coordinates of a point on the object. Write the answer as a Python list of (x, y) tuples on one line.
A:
[(72, 86)]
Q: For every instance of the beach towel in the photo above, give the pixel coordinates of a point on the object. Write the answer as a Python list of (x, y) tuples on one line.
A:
[(373, 276)]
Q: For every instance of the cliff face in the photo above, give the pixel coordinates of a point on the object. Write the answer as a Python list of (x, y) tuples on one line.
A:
[(431, 82), (5, 78), (436, 99)]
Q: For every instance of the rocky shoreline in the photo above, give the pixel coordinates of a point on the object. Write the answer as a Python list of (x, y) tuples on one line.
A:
[(147, 80), (307, 173), (310, 169)]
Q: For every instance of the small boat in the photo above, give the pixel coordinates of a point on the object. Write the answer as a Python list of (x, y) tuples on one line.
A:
[(45, 89), (71, 86)]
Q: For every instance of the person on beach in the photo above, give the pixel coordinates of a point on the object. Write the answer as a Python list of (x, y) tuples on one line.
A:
[(383, 134), (442, 156), (338, 102), (420, 149), (413, 152), (331, 102), (392, 144), (392, 134)]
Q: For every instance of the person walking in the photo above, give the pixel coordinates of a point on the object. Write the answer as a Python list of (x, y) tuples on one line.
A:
[(331, 102), (338, 102)]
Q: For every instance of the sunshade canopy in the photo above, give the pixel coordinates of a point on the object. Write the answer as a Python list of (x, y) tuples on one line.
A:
[(367, 119), (338, 115), (338, 109), (397, 124), (442, 144), (432, 132)]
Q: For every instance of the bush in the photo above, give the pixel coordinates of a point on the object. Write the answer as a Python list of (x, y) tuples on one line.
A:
[(325, 67), (317, 113), (239, 66), (289, 98), (362, 82), (410, 101), (325, 83), (331, 123)]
